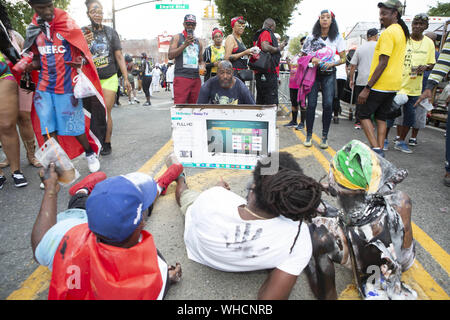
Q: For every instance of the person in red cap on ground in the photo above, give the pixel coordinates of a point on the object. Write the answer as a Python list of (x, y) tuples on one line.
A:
[(187, 52), (235, 49), (97, 249)]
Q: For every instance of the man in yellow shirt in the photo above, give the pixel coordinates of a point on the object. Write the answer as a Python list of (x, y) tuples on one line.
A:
[(419, 58), (386, 73)]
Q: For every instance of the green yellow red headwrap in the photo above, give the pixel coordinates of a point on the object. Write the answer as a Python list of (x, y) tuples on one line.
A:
[(357, 167)]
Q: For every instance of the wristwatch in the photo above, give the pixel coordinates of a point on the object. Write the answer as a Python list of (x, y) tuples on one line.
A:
[(368, 87)]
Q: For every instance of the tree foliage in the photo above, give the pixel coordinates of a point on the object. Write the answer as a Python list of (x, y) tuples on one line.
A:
[(294, 44), (255, 12), (21, 14), (441, 10)]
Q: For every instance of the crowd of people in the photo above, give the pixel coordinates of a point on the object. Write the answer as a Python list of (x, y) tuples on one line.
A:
[(283, 224)]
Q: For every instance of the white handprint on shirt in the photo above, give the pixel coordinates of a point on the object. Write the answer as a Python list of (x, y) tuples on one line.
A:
[(245, 242)]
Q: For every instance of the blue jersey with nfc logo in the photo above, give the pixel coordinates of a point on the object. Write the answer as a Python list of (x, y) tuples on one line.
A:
[(55, 75)]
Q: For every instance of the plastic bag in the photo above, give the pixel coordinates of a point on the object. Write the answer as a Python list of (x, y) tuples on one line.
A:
[(83, 87), (52, 152), (401, 99)]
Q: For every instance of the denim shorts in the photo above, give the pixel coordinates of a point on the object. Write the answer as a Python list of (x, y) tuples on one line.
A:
[(61, 113), (408, 118)]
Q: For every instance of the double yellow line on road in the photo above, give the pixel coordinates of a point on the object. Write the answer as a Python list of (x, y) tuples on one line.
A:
[(423, 283)]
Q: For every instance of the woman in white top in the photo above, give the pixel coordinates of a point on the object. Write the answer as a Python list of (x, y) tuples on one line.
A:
[(323, 44)]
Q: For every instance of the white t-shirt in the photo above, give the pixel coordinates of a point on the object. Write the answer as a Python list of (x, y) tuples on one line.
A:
[(216, 236), (313, 45), (341, 72), (363, 60), (170, 73)]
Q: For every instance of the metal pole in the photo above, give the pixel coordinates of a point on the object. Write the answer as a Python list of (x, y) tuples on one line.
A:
[(114, 14)]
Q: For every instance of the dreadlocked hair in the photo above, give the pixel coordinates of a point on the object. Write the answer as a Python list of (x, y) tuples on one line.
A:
[(4, 16), (289, 192), (402, 24)]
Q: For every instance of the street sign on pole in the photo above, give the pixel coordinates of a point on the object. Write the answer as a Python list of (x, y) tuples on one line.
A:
[(172, 6)]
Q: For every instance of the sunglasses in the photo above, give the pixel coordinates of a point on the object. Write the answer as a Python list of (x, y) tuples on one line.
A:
[(96, 12), (421, 16), (191, 24)]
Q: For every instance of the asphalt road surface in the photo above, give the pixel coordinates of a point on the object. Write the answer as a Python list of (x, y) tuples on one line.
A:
[(142, 139)]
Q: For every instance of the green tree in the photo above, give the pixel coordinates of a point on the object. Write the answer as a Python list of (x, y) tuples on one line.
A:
[(21, 14), (294, 44), (441, 10), (255, 12)]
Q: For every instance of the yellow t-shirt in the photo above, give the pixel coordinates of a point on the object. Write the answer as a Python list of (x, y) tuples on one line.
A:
[(418, 53), (392, 43), (217, 55)]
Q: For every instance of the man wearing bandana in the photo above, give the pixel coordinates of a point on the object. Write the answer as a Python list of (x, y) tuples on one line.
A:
[(371, 233)]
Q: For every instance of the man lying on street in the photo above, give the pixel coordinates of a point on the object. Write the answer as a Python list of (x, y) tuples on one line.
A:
[(265, 231)]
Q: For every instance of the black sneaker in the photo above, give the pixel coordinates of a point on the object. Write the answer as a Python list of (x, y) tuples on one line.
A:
[(2, 182), (106, 149), (19, 179), (290, 124), (412, 142), (148, 103)]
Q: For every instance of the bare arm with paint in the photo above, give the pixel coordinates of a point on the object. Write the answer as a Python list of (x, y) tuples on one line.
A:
[(47, 214)]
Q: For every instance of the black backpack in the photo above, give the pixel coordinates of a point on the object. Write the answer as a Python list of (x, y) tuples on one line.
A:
[(266, 61)]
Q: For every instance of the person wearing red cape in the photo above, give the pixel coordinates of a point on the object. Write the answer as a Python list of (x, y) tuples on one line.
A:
[(60, 50)]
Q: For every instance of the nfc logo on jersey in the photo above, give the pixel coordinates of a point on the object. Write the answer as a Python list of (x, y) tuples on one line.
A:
[(43, 50)]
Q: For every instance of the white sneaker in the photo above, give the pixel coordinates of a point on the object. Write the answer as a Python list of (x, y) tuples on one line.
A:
[(93, 163)]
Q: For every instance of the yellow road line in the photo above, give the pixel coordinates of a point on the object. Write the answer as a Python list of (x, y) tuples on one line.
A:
[(151, 164), (36, 283), (416, 276), (39, 280), (438, 254)]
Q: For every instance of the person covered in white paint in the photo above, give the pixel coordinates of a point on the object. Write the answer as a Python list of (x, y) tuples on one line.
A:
[(156, 76), (170, 76)]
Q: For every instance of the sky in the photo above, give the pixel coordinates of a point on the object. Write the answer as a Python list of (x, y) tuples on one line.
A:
[(146, 22)]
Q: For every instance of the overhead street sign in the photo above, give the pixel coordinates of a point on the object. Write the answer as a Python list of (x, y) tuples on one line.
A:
[(172, 6)]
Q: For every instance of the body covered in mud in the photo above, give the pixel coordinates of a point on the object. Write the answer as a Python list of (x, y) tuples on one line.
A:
[(370, 232)]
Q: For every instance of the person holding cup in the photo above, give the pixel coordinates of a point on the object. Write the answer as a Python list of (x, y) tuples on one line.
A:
[(235, 49), (419, 57)]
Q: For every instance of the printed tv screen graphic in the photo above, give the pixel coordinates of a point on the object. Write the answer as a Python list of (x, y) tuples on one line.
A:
[(237, 137), (223, 137)]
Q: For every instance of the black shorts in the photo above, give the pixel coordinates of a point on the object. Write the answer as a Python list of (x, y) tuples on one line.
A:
[(378, 104)]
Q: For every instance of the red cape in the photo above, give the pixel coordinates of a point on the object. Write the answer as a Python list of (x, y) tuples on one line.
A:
[(66, 26), (85, 269)]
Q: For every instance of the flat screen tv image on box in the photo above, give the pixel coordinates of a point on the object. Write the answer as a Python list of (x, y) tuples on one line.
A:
[(237, 137)]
